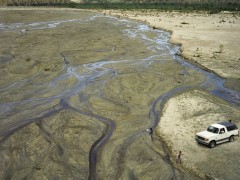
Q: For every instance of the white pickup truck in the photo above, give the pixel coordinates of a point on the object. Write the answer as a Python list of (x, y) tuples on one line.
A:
[(218, 133)]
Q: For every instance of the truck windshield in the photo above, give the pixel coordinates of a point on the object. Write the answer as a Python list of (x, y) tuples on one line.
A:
[(212, 129)]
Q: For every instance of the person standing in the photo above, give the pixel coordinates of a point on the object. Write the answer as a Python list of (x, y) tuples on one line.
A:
[(179, 157), (151, 132)]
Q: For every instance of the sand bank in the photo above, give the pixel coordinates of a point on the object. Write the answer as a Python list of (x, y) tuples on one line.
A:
[(192, 112), (210, 40)]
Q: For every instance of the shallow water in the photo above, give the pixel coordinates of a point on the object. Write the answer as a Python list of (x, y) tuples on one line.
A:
[(79, 91)]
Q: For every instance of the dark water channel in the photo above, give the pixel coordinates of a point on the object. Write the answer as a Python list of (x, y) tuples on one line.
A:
[(77, 95)]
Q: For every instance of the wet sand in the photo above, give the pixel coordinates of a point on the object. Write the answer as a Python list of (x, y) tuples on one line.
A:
[(74, 100), (80, 89)]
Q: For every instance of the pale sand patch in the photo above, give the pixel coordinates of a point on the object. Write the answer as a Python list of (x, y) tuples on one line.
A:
[(211, 40), (192, 112)]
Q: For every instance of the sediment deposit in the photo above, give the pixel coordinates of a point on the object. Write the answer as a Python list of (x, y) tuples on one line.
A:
[(79, 89)]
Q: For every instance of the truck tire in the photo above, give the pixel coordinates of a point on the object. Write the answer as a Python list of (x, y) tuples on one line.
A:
[(212, 144), (231, 138)]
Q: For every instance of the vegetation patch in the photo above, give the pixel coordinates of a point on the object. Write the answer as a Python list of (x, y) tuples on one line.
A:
[(185, 7)]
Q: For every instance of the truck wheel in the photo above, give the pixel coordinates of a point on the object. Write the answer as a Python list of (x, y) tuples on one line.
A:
[(231, 138), (212, 144)]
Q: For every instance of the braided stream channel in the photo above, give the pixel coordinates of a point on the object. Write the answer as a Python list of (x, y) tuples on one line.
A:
[(78, 91)]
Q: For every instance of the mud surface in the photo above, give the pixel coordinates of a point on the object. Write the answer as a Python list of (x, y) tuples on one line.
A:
[(78, 91)]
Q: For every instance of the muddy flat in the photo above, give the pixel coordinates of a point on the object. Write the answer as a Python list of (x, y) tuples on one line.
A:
[(80, 89)]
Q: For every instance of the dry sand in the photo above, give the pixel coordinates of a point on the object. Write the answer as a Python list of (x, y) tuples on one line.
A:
[(192, 112)]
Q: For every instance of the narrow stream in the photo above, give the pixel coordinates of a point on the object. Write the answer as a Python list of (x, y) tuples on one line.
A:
[(96, 76)]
